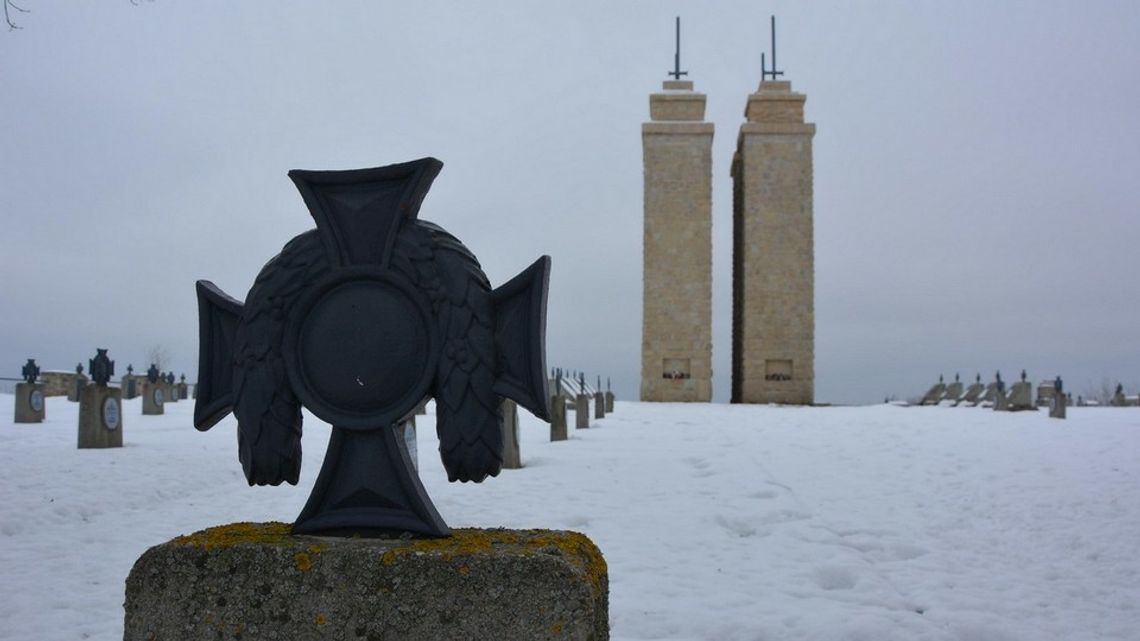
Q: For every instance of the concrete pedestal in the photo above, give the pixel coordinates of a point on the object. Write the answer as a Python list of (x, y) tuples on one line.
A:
[(934, 394), (171, 392), (512, 459), (31, 403), (100, 417), (599, 405), (255, 581), (990, 394), (76, 388), (154, 399), (609, 402), (581, 412), (130, 386), (1021, 397), (183, 391), (953, 392), (973, 394), (558, 430), (1058, 406)]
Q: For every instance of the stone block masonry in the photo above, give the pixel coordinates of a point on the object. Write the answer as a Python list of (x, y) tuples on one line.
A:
[(255, 581), (676, 336), (773, 267)]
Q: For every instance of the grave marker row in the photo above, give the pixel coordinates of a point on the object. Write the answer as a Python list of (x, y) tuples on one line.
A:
[(1018, 398)]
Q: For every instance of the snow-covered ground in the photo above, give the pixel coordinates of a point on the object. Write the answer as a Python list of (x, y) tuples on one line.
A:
[(717, 522)]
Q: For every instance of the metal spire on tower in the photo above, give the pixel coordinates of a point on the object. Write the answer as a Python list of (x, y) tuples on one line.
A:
[(676, 72), (764, 71)]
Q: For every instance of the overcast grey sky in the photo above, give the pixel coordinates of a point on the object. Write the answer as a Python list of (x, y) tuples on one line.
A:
[(977, 167)]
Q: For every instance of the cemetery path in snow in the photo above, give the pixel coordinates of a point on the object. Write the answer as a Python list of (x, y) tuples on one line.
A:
[(717, 521)]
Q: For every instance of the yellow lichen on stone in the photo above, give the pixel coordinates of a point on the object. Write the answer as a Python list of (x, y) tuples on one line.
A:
[(273, 533), (321, 620), (574, 546)]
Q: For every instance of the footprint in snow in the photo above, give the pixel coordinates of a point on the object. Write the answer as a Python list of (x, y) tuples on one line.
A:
[(697, 463), (777, 517), (763, 494), (834, 577), (738, 527), (700, 467)]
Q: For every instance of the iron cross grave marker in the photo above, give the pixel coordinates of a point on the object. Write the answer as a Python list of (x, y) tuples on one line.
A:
[(360, 320)]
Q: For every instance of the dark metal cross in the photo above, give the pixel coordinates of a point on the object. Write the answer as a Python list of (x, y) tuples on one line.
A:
[(361, 320), (764, 71), (101, 367), (30, 371), (676, 72)]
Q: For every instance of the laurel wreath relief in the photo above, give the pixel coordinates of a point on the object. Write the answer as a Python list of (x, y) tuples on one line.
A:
[(467, 411)]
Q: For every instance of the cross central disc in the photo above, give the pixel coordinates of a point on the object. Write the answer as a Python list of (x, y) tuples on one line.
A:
[(360, 350)]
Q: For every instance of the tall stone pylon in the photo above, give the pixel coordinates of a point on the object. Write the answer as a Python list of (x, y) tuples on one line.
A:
[(676, 329), (773, 279)]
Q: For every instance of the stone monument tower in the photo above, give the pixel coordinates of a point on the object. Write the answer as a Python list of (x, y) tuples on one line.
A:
[(773, 311), (676, 330)]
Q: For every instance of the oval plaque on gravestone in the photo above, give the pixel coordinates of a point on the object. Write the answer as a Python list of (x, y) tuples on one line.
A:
[(157, 396), (36, 400), (111, 414)]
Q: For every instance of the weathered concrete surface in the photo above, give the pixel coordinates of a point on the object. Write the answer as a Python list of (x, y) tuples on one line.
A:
[(99, 428), (512, 457), (599, 405), (1001, 401), (26, 406), (130, 384), (1057, 406), (77, 385), (581, 412), (934, 394), (255, 581), (1021, 397), (990, 394), (57, 383), (609, 402), (953, 392), (973, 394), (154, 399), (558, 418)]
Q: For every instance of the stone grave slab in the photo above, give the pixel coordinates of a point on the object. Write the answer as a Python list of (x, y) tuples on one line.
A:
[(256, 581)]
